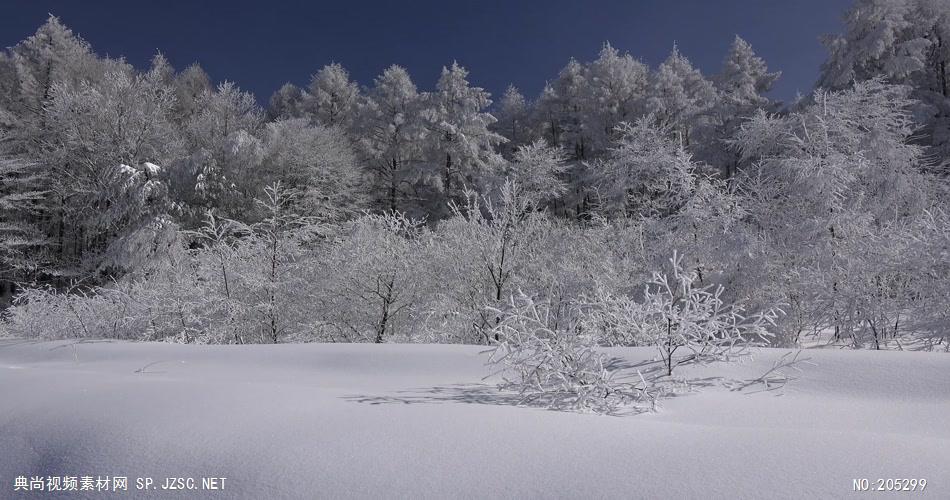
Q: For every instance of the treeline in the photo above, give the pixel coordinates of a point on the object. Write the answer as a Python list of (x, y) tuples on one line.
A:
[(154, 205), (106, 160)]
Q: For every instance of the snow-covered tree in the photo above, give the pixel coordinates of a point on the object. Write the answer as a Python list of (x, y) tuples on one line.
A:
[(745, 78), (537, 170), (104, 144), (742, 84), (512, 115), (903, 42), (286, 103), (332, 98), (647, 173), (488, 249), (884, 38), (460, 142), (375, 289), (318, 163), (24, 243), (681, 98), (618, 86), (390, 136), (191, 85), (581, 111), (53, 55), (826, 180), (650, 178), (560, 110), (125, 118), (277, 249), (225, 153)]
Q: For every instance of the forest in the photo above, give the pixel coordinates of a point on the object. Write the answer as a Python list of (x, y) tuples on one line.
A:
[(625, 205)]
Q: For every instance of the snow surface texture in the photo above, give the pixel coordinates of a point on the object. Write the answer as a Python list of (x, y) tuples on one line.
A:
[(419, 421)]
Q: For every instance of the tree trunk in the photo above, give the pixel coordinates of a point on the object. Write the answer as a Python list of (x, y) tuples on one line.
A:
[(448, 175), (392, 185)]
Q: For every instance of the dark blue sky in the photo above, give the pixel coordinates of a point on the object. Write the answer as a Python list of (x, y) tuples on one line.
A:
[(260, 45)]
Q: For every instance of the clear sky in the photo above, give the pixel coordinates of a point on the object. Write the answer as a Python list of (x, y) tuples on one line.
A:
[(262, 44)]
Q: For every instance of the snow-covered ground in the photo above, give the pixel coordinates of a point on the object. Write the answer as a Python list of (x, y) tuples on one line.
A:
[(419, 421)]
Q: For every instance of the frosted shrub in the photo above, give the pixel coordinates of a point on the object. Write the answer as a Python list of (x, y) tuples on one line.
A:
[(551, 362), (75, 313), (615, 318), (676, 313), (42, 313)]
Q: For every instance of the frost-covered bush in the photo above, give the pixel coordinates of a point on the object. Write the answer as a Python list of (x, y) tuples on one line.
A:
[(675, 312), (76, 313), (43, 313), (543, 353)]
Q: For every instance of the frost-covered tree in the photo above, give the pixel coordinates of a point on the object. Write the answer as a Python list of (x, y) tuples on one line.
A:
[(375, 290), (681, 98), (581, 108), (318, 163), (512, 115), (581, 111), (221, 113), (745, 78), (144, 229), (225, 153), (391, 135), (9, 86), (53, 55), (24, 242), (276, 245), (651, 178), (537, 170), (81, 122), (332, 98), (104, 142), (560, 110), (742, 84), (827, 181), (221, 282), (618, 86), (286, 103), (848, 154), (460, 142), (904, 42), (884, 38), (162, 70), (544, 354), (486, 252), (191, 85), (646, 173), (125, 118)]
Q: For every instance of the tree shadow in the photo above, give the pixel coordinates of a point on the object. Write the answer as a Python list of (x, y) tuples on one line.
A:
[(453, 393), (481, 394)]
